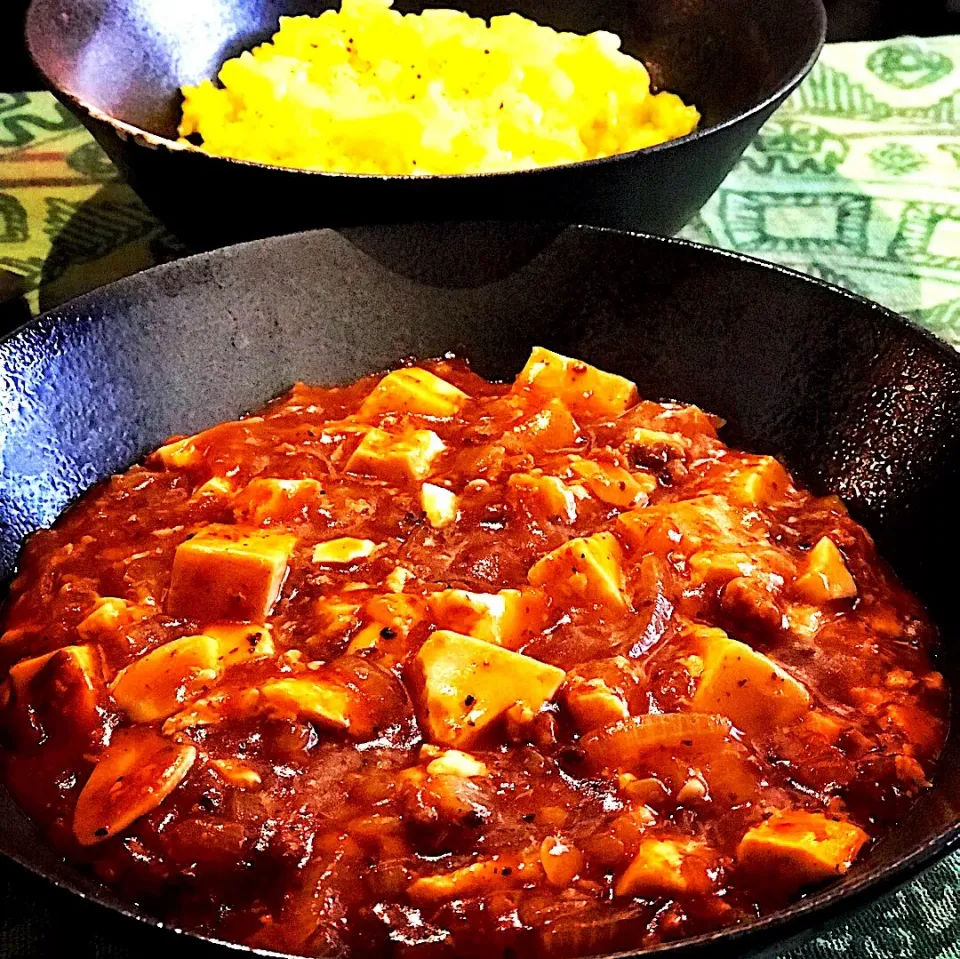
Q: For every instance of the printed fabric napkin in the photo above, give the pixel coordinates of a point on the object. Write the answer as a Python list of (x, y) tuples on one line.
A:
[(856, 180)]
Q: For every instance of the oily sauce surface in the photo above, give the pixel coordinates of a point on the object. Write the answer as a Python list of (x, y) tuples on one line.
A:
[(451, 731)]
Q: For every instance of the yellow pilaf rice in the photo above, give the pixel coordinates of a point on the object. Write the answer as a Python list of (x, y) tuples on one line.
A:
[(368, 90)]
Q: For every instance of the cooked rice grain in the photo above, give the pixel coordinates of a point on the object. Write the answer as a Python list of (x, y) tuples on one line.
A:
[(368, 90)]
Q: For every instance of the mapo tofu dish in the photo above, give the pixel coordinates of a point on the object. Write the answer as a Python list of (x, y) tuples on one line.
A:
[(431, 666)]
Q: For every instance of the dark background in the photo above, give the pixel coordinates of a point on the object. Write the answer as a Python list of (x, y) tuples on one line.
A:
[(849, 20)]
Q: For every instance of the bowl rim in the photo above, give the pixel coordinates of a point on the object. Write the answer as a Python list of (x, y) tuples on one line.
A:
[(794, 921), (143, 137)]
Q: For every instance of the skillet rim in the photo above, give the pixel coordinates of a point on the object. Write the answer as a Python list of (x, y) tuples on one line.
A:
[(782, 927), (144, 138)]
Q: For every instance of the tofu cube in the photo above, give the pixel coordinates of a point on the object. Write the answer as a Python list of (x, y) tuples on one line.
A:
[(217, 487), (649, 529), (453, 762), (265, 501), (612, 484), (718, 566), (550, 428), (795, 848), (652, 448), (343, 551), (228, 574), (543, 497), (389, 620), (333, 617), (667, 867), (562, 862), (760, 485), (241, 642), (765, 566), (414, 391), (108, 615), (158, 684), (524, 616), (180, 454), (398, 578), (440, 505), (465, 684), (583, 388), (396, 459), (593, 704), (318, 701), (212, 709), (370, 637), (502, 618), (62, 691), (685, 525), (583, 570), (750, 689), (474, 614), (826, 576)]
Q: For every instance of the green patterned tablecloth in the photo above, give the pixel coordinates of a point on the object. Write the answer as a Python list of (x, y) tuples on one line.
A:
[(855, 180)]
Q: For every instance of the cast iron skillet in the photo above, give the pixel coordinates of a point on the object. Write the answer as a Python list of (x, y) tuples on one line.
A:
[(119, 65), (854, 398)]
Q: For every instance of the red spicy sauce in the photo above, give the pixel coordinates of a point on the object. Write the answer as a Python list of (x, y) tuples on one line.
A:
[(614, 684)]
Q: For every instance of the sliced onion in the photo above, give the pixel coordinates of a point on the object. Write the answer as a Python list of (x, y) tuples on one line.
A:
[(601, 933), (619, 745)]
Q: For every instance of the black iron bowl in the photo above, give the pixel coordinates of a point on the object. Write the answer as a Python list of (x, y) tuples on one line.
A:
[(119, 65), (854, 398)]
